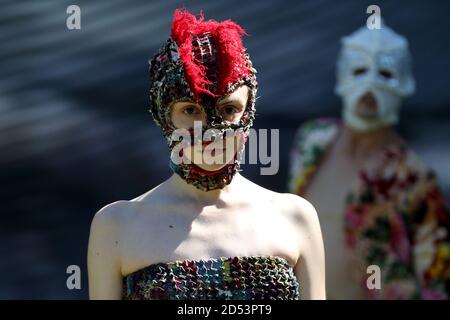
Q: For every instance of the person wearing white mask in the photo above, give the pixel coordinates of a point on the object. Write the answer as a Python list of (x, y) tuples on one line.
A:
[(384, 220)]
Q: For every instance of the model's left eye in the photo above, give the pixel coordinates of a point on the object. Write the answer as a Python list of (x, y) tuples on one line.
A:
[(230, 110)]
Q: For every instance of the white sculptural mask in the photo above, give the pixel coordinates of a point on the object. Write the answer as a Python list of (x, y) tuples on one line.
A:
[(378, 62)]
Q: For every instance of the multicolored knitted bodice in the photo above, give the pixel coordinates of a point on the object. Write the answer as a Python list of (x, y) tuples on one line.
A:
[(234, 278)]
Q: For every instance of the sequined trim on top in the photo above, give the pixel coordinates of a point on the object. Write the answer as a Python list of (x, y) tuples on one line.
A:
[(234, 278)]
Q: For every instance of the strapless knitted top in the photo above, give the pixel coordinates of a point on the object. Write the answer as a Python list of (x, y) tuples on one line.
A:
[(234, 278)]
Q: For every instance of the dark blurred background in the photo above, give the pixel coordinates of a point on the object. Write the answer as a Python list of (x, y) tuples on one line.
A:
[(75, 133)]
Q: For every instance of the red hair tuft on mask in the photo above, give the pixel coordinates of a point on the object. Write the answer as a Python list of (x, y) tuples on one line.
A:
[(231, 62)]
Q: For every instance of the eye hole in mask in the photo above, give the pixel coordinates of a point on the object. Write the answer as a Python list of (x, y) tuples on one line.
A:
[(231, 112), (359, 71), (191, 110), (386, 74)]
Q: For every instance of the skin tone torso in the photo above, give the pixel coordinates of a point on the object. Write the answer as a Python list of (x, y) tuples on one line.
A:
[(171, 223), (327, 192)]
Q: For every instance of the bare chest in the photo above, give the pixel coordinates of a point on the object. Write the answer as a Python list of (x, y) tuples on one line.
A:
[(211, 232)]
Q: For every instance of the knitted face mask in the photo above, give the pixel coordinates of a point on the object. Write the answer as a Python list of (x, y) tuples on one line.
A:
[(202, 61), (375, 61)]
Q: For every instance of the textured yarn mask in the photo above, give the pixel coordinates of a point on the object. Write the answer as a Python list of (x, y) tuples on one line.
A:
[(202, 61)]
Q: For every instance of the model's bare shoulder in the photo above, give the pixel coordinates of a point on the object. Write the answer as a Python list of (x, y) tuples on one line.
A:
[(301, 205), (111, 214), (104, 228), (116, 215), (301, 211), (305, 217), (288, 203), (104, 256)]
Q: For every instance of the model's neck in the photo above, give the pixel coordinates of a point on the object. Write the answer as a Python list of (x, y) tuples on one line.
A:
[(205, 197), (357, 143)]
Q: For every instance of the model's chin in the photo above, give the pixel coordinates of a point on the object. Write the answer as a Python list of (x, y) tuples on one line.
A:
[(211, 167), (215, 163)]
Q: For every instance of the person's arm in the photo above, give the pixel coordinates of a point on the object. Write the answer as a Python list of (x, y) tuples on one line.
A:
[(310, 267), (104, 268)]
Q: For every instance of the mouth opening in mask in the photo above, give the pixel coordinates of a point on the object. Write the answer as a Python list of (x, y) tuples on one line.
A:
[(208, 151), (367, 107)]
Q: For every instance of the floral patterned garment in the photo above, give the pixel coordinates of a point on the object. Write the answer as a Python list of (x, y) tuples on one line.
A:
[(234, 278), (395, 217)]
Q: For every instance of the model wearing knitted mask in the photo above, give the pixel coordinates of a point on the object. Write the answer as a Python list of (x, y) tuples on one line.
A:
[(206, 232), (202, 62)]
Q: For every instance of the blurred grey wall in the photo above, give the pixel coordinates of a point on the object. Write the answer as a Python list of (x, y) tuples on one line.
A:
[(75, 133)]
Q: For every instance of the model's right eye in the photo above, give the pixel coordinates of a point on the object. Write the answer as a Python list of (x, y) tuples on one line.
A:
[(359, 71), (191, 110)]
